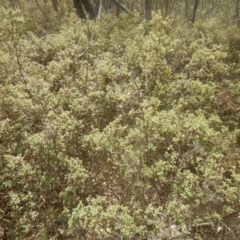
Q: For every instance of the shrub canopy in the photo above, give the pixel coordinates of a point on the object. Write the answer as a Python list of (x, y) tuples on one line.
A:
[(118, 130)]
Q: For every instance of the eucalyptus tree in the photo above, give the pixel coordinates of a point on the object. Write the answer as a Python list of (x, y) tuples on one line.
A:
[(86, 8), (191, 10), (237, 11), (148, 9)]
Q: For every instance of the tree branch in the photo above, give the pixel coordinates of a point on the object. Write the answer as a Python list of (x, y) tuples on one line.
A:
[(121, 6)]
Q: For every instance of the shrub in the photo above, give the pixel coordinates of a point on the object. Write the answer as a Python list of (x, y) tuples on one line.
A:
[(114, 132)]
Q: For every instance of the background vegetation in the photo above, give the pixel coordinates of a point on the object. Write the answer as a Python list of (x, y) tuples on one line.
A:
[(119, 128)]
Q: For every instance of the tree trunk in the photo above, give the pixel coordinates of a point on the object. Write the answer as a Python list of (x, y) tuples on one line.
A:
[(186, 9), (238, 13), (148, 10), (166, 3), (55, 5), (195, 7), (99, 9), (82, 5)]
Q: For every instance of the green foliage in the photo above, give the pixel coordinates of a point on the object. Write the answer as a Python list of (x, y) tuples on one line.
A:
[(110, 131)]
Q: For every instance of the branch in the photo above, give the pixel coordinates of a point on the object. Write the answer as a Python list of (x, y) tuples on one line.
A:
[(121, 6), (99, 9), (44, 14)]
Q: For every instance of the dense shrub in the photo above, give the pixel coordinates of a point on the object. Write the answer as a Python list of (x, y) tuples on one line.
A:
[(117, 130)]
